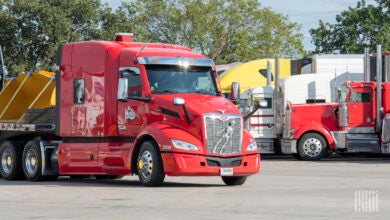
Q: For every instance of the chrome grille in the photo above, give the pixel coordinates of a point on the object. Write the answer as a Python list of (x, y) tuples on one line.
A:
[(223, 133)]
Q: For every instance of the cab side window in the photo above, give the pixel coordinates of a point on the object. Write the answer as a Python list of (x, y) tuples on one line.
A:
[(363, 97), (360, 97), (78, 91), (134, 83)]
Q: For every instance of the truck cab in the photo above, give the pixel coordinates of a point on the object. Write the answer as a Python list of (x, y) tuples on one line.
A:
[(148, 109), (350, 126)]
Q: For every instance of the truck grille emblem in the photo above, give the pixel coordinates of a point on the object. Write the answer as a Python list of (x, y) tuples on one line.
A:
[(223, 133), (222, 111)]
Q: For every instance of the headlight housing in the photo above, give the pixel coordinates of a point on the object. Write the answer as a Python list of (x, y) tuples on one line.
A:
[(252, 146), (183, 145)]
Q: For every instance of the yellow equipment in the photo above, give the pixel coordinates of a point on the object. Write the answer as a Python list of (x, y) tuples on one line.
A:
[(27, 91), (250, 75)]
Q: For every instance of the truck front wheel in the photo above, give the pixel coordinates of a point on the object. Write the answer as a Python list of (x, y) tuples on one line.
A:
[(312, 146), (234, 180), (11, 160), (149, 165)]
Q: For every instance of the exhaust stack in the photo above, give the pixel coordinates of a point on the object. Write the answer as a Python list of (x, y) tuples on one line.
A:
[(378, 88), (269, 72), (367, 64)]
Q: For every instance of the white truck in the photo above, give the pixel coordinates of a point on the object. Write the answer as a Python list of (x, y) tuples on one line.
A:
[(265, 122)]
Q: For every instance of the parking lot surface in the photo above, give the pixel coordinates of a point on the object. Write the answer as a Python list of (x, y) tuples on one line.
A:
[(336, 188)]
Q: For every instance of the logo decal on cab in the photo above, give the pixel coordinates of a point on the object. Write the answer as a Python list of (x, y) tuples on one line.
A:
[(129, 113)]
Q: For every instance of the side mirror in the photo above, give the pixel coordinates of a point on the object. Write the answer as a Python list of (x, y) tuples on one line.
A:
[(235, 95), (122, 89)]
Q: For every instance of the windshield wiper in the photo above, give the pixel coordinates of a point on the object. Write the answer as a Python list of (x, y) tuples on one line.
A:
[(204, 92)]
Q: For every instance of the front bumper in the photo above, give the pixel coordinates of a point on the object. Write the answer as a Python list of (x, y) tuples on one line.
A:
[(176, 164)]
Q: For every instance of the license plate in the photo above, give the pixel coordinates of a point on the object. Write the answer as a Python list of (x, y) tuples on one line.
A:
[(226, 171)]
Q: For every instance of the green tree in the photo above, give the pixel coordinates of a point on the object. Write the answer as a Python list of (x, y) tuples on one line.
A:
[(121, 20), (355, 28), (32, 30), (232, 30), (226, 31)]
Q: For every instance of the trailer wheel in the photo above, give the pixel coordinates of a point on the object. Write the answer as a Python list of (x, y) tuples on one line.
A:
[(11, 160), (234, 180), (312, 146), (32, 161), (149, 165)]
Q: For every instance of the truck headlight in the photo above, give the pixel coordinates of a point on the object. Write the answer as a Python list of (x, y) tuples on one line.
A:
[(252, 146), (183, 145)]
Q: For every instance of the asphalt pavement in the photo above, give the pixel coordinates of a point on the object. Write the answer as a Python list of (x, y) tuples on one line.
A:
[(335, 188)]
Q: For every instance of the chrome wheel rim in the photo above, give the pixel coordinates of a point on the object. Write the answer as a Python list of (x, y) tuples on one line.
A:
[(312, 147), (31, 162), (145, 164), (6, 161)]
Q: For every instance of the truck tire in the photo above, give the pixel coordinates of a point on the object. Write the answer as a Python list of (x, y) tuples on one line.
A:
[(11, 160), (32, 161), (312, 146), (149, 165), (234, 180)]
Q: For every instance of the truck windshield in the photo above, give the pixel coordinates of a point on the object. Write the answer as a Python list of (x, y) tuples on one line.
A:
[(165, 79)]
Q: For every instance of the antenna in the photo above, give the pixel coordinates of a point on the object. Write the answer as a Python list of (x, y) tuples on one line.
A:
[(142, 48)]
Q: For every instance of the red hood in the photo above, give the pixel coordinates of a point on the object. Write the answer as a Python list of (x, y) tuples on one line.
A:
[(200, 103)]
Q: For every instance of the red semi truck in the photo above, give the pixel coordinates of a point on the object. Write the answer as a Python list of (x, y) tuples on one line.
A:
[(124, 108), (359, 123)]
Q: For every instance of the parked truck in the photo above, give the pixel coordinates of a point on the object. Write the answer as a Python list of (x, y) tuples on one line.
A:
[(120, 108), (358, 123), (314, 79), (265, 122)]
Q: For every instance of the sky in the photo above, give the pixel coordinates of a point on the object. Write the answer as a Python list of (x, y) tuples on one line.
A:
[(304, 12)]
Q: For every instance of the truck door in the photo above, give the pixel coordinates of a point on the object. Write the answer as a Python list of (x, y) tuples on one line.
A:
[(262, 122), (361, 107), (131, 113)]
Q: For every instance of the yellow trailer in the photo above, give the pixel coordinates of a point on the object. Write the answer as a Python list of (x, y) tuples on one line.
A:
[(252, 74), (27, 91)]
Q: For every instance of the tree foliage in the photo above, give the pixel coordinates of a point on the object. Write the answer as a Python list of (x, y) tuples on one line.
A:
[(356, 28), (231, 30), (32, 30), (226, 31)]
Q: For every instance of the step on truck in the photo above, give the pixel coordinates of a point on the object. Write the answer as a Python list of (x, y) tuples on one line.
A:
[(119, 108)]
